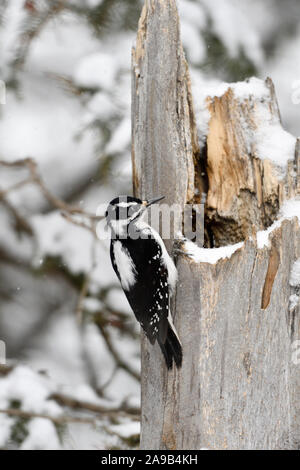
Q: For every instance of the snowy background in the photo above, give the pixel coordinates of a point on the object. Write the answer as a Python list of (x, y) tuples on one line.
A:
[(72, 374)]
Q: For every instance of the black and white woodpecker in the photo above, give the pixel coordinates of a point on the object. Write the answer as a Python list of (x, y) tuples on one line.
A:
[(146, 272)]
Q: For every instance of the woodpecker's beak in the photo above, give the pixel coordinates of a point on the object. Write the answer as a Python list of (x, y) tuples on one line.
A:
[(152, 201)]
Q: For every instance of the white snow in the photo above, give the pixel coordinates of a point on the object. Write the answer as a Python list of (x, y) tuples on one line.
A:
[(295, 274), (272, 141), (126, 429), (83, 392), (92, 304), (42, 436), (193, 13), (63, 357), (120, 138), (58, 237), (193, 42), (44, 128), (204, 90), (30, 389), (100, 106), (268, 140), (253, 87), (116, 300), (210, 255), (97, 70), (289, 209), (262, 237), (98, 354)]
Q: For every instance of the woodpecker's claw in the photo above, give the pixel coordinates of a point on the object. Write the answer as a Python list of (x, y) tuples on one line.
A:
[(178, 248), (178, 251)]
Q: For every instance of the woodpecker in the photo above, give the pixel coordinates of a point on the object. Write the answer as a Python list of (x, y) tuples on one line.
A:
[(146, 272)]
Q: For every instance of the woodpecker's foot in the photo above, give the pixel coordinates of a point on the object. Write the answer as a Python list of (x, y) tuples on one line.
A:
[(178, 248), (177, 252)]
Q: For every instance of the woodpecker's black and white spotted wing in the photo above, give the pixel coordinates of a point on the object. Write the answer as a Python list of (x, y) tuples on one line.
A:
[(144, 278)]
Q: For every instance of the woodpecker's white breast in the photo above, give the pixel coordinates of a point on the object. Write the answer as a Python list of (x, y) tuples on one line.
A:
[(125, 265)]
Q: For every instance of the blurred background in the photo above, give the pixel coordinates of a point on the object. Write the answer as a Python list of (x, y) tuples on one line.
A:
[(72, 343)]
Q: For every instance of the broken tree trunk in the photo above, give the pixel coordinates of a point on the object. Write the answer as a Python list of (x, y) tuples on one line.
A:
[(238, 387)]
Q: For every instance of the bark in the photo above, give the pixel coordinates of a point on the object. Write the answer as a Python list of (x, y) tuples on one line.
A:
[(238, 387)]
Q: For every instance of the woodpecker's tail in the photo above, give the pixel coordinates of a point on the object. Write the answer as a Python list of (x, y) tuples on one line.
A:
[(171, 349)]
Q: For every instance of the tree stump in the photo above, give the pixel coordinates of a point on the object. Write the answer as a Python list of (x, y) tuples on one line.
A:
[(238, 387)]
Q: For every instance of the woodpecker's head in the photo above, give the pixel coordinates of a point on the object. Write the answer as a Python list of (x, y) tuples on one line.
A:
[(123, 210)]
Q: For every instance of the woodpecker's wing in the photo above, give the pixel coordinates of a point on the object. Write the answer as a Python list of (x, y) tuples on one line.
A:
[(144, 278)]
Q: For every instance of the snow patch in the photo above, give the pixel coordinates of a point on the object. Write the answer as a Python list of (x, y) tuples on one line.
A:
[(92, 304), (42, 436), (269, 140), (272, 141), (58, 237), (252, 87), (126, 430), (101, 107), (262, 237), (97, 70), (210, 255), (204, 90), (117, 300), (30, 389), (31, 392), (120, 139), (289, 209)]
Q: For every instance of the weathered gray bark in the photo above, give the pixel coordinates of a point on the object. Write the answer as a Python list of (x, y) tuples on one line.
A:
[(238, 387)]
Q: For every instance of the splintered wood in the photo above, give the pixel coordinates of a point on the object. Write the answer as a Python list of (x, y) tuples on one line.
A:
[(246, 189)]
